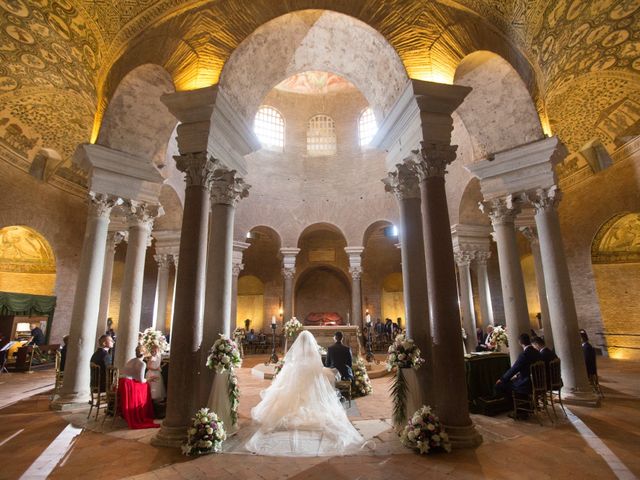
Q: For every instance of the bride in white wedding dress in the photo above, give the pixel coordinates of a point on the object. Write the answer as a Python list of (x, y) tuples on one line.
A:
[(300, 413)]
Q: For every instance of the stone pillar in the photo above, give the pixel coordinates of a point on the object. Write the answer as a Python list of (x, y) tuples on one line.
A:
[(173, 299), (164, 261), (464, 259), (448, 372), (484, 291), (140, 217), (562, 309), (237, 267), (186, 330), (113, 239), (288, 274), (227, 188), (502, 212), (532, 236), (355, 269), (404, 183), (84, 316)]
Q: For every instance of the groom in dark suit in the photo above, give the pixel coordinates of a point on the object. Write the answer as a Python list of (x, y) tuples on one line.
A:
[(339, 357)]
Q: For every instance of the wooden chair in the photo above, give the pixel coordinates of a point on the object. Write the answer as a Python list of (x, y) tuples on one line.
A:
[(593, 380), (112, 393), (97, 396), (344, 387), (555, 386), (535, 401)]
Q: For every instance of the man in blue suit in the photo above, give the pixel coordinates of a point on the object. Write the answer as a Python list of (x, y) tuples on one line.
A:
[(516, 379)]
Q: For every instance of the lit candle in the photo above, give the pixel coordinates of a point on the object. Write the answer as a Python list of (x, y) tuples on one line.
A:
[(273, 320)]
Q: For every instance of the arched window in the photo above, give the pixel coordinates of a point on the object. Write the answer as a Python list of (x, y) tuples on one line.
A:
[(321, 136), (367, 127), (269, 128)]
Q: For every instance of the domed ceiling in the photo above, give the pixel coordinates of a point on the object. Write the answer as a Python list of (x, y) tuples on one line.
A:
[(61, 60)]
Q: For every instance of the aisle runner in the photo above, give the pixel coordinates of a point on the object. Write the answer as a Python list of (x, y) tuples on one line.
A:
[(55, 452)]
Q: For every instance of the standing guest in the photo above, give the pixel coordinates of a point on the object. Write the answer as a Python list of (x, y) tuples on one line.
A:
[(546, 355), (378, 327), (154, 375), (134, 368), (399, 322), (110, 331), (63, 352), (37, 335), (103, 359), (517, 378), (589, 355)]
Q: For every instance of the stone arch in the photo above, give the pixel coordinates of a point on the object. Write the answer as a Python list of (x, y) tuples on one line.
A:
[(322, 226), (373, 227), (615, 257), (499, 113), (172, 206), (301, 37), (136, 121), (468, 212), (268, 230)]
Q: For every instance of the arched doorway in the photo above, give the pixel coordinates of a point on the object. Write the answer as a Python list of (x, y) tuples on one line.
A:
[(250, 303), (615, 256)]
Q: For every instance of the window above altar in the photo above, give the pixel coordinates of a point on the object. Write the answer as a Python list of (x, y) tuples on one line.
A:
[(367, 127), (268, 126), (321, 136)]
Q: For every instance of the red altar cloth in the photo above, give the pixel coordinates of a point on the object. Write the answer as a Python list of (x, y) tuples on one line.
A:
[(135, 403), (325, 319)]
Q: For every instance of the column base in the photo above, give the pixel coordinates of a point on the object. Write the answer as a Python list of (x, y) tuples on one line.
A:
[(463, 437), (581, 398), (170, 436), (69, 401)]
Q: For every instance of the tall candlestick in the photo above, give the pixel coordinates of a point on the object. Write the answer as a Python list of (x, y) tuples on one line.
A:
[(273, 320)]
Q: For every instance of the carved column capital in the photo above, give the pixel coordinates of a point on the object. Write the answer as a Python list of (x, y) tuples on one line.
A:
[(288, 272), (356, 272), (404, 181), (433, 159), (482, 257), (100, 204), (114, 239), (502, 210), (227, 188), (236, 268), (141, 214), (163, 260), (463, 258), (545, 198), (530, 234), (198, 169)]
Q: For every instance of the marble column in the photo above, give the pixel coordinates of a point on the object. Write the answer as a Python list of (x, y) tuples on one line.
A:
[(531, 235), (562, 309), (186, 330), (484, 291), (175, 258), (164, 262), (502, 212), (288, 274), (404, 183), (84, 316), (227, 188), (463, 260), (355, 269), (113, 239), (140, 217), (237, 267), (448, 372)]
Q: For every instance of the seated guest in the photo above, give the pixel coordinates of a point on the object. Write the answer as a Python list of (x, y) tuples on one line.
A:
[(485, 344), (546, 355), (102, 358), (516, 379), (339, 357), (251, 336), (134, 368), (63, 352), (589, 355), (37, 335)]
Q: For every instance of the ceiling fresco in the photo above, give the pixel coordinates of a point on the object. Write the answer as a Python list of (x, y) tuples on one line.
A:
[(61, 60)]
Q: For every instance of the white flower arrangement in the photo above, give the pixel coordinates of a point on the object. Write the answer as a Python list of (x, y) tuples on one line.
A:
[(361, 381), (322, 350), (499, 338), (224, 355), (205, 435), (292, 327), (403, 353), (424, 432), (239, 334), (278, 367), (152, 339)]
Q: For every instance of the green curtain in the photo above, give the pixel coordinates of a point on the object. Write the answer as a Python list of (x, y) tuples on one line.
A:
[(25, 304)]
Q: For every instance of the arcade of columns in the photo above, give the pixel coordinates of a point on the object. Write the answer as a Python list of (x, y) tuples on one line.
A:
[(519, 190)]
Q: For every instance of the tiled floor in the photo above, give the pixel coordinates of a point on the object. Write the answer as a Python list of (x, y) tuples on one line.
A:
[(602, 443)]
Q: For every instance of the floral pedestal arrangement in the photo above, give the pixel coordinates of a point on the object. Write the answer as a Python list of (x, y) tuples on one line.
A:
[(291, 330), (405, 357), (424, 432), (205, 435), (362, 382), (224, 398)]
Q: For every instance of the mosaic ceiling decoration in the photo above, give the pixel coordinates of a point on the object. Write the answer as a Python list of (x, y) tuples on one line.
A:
[(61, 60), (618, 240), (315, 83), (23, 250)]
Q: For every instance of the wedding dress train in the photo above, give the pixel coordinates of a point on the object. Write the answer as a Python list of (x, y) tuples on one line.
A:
[(300, 413)]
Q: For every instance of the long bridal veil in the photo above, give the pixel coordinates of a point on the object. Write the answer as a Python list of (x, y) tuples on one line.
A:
[(300, 413)]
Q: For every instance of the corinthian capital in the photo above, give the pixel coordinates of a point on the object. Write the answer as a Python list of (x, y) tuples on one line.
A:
[(482, 257), (227, 187), (434, 158), (356, 272), (463, 258), (530, 234), (163, 260), (288, 272), (197, 167), (141, 214), (404, 181), (100, 204), (545, 198), (501, 211)]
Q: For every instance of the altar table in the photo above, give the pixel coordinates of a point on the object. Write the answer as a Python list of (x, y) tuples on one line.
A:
[(324, 336)]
